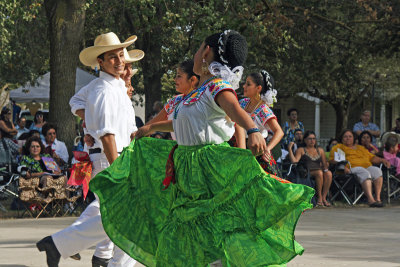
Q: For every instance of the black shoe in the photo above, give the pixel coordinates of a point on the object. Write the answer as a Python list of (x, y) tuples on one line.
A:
[(76, 256), (97, 262), (52, 254), (377, 204)]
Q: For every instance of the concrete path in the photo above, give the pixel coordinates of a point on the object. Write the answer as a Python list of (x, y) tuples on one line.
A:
[(365, 237)]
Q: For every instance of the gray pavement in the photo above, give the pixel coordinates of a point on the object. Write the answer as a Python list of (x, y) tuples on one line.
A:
[(367, 237)]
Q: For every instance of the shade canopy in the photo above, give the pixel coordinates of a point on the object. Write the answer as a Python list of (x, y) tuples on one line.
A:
[(40, 91)]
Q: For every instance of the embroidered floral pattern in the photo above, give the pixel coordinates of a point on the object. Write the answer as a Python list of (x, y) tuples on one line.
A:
[(215, 86), (263, 112), (172, 103), (218, 86)]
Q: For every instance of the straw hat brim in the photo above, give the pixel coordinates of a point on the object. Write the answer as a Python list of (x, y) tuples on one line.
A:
[(134, 71), (88, 56), (134, 55)]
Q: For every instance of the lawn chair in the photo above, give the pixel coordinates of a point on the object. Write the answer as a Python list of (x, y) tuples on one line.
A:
[(299, 174), (346, 184), (391, 186)]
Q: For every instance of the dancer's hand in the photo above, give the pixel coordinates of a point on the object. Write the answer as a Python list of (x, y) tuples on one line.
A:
[(143, 131), (89, 140), (256, 143), (267, 155)]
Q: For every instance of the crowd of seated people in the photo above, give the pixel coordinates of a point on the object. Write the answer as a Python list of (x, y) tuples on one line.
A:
[(365, 159), (298, 146), (38, 152)]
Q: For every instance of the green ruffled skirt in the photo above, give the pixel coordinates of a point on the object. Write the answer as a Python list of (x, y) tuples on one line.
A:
[(223, 206)]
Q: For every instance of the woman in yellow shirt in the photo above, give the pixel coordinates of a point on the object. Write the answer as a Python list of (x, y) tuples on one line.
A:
[(361, 161)]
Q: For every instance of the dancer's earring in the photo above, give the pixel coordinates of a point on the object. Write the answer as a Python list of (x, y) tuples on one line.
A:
[(204, 67)]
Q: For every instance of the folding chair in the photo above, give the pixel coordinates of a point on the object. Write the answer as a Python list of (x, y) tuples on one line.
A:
[(8, 185), (345, 183), (299, 174), (35, 200), (392, 183), (7, 178)]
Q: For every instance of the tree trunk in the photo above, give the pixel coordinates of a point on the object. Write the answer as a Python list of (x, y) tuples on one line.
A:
[(66, 23), (342, 115), (152, 73)]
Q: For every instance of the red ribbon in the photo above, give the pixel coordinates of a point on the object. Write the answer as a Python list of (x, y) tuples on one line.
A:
[(81, 171), (169, 169)]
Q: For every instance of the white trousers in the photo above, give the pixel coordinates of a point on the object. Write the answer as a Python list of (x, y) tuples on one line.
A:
[(88, 230)]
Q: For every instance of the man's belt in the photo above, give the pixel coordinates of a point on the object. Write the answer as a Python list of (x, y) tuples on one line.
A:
[(94, 150)]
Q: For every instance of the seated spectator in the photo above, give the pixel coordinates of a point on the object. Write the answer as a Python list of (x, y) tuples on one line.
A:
[(34, 133), (38, 122), (57, 149), (32, 158), (6, 125), (21, 122), (313, 158), (6, 144), (332, 142), (366, 125), (390, 152), (361, 161), (290, 127), (365, 139), (396, 129), (298, 141)]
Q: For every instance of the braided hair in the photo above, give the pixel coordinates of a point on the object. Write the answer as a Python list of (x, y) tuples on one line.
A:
[(229, 47), (264, 79)]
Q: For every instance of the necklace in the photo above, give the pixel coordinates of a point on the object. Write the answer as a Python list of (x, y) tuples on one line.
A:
[(176, 110), (254, 109)]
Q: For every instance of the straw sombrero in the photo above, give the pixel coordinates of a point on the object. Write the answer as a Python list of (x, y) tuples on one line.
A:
[(133, 55), (103, 43)]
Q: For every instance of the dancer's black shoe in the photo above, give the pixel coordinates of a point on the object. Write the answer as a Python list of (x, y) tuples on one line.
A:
[(99, 262), (52, 254)]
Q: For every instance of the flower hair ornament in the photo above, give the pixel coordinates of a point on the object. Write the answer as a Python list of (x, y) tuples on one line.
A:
[(223, 71), (269, 97)]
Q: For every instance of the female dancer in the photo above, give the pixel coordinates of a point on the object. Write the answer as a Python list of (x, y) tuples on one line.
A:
[(260, 96), (223, 205), (185, 81)]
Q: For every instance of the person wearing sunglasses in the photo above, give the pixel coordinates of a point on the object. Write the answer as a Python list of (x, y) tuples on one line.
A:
[(7, 127)]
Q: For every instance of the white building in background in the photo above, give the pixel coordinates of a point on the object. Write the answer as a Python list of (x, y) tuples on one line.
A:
[(315, 114)]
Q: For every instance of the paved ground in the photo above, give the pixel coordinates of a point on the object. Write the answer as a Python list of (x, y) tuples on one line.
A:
[(364, 237)]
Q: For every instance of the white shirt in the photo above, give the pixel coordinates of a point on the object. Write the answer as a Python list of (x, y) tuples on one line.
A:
[(59, 148), (198, 120), (108, 110), (21, 131)]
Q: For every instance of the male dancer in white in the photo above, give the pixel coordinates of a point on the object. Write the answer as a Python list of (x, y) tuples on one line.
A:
[(104, 249), (109, 118)]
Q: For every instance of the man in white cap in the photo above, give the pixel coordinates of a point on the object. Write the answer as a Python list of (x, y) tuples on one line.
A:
[(110, 119)]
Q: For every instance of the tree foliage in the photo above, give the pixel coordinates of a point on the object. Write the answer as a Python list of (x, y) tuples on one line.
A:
[(24, 53), (333, 50)]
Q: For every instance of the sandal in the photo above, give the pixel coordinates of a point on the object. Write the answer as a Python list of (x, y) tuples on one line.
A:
[(327, 204), (319, 204)]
